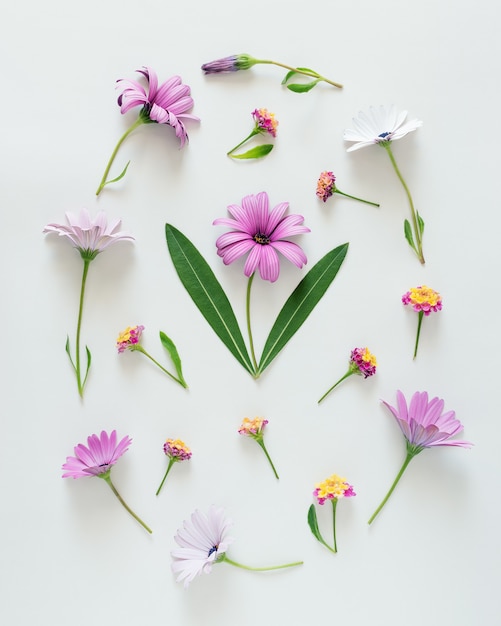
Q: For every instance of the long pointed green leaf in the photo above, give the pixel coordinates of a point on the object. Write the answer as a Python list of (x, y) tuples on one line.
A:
[(420, 223), (408, 235), (68, 351), (169, 345), (301, 303), (302, 87), (206, 292)]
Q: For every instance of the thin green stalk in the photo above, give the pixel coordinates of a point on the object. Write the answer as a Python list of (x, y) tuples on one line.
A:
[(420, 321), (249, 330), (137, 123), (253, 134), (139, 348), (415, 225), (169, 467), (334, 505), (107, 478), (310, 73), (410, 455), (348, 373), (261, 443), (347, 195), (226, 559), (79, 327)]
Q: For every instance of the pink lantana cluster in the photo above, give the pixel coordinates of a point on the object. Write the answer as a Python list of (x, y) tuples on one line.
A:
[(364, 361), (252, 427), (266, 121), (326, 185), (332, 488), (129, 337), (177, 450), (423, 299)]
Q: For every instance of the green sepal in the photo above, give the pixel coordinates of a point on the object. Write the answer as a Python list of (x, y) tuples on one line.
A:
[(119, 177), (302, 88), (408, 235), (301, 303), (68, 351), (254, 153), (206, 292), (420, 222), (313, 524), (169, 345)]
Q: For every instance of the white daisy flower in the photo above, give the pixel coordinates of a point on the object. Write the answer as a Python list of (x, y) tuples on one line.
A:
[(203, 540), (382, 124)]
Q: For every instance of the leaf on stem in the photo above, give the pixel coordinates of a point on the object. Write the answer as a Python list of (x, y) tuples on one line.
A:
[(313, 524), (254, 153), (119, 177), (169, 345), (408, 235), (301, 303), (302, 88), (68, 351), (206, 292), (420, 222)]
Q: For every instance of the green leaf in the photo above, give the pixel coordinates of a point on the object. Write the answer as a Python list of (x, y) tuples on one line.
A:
[(89, 359), (313, 524), (288, 76), (420, 223), (68, 351), (292, 73), (254, 153), (302, 88), (408, 235), (301, 303), (168, 344), (206, 292), (119, 177)]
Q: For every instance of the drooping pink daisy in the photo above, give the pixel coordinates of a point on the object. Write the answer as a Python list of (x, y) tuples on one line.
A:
[(164, 104), (96, 459), (424, 425), (262, 234), (100, 454), (89, 236)]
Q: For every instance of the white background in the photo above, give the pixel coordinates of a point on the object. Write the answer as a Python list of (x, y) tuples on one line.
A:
[(70, 554)]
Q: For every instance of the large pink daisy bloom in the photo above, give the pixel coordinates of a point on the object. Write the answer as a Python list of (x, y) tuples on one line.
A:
[(100, 454), (203, 540), (164, 104), (424, 425), (262, 234)]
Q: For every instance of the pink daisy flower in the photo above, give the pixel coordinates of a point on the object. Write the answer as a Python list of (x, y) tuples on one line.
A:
[(262, 234)]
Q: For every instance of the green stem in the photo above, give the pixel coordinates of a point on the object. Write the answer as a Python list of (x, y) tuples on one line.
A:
[(249, 330), (310, 73), (420, 321), (347, 195), (226, 559), (415, 225), (348, 373), (411, 453), (171, 463), (253, 134), (139, 348), (334, 505), (107, 478), (137, 123), (79, 327), (261, 443)]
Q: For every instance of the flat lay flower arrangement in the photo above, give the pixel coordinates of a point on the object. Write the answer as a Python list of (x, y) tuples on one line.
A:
[(259, 233)]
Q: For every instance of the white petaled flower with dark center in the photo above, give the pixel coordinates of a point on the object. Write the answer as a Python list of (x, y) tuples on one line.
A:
[(380, 125), (203, 541)]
